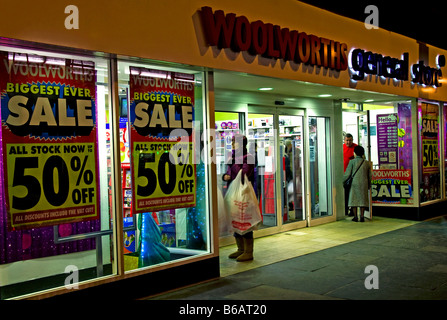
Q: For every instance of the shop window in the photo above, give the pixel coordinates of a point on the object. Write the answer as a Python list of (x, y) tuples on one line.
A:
[(429, 150), (164, 174), (55, 212), (391, 151), (445, 146)]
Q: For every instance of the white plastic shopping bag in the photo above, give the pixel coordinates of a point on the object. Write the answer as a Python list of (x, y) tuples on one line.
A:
[(224, 221), (242, 205)]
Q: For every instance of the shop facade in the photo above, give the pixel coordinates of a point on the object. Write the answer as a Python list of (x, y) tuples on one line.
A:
[(113, 151)]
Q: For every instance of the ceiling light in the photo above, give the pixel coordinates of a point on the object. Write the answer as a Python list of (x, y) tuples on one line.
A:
[(369, 100), (265, 89), (325, 95)]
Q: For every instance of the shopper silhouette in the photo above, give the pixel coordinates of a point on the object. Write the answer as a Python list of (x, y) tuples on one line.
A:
[(348, 155), (361, 183), (241, 160)]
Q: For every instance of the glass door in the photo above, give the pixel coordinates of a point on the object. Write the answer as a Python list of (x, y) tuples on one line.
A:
[(363, 125), (228, 124), (319, 167), (292, 173), (261, 134)]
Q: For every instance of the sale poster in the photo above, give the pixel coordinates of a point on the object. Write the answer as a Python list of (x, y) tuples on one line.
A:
[(431, 175), (392, 187), (429, 138), (49, 135), (161, 114), (387, 140)]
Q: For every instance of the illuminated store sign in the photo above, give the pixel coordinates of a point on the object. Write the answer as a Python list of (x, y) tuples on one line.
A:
[(363, 62), (274, 42), (271, 41), (428, 76)]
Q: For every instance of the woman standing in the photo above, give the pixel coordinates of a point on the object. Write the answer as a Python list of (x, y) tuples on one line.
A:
[(361, 183), (241, 160)]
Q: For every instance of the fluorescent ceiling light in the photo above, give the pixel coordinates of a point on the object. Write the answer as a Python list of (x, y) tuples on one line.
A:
[(325, 95), (58, 62), (265, 89), (152, 74)]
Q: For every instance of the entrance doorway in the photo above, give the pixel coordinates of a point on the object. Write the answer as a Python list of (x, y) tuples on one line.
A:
[(357, 123), (319, 166), (290, 192)]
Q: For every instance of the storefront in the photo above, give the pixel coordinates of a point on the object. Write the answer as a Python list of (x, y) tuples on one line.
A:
[(115, 134)]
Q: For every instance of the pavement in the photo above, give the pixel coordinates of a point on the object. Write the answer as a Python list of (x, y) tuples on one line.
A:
[(382, 259)]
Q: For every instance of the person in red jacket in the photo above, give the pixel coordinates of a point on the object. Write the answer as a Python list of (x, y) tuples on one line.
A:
[(348, 155)]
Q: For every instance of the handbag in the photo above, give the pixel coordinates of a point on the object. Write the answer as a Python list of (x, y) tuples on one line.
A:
[(348, 182), (242, 206)]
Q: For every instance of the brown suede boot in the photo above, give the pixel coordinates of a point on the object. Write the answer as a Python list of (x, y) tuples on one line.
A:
[(240, 248), (248, 251)]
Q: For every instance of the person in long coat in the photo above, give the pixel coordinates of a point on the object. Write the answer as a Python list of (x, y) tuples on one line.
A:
[(361, 183)]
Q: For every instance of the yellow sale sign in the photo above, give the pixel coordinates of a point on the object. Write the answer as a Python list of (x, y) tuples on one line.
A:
[(161, 114), (164, 175), (51, 182)]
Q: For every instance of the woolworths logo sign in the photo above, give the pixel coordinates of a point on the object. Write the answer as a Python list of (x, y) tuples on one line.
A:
[(271, 41), (275, 42)]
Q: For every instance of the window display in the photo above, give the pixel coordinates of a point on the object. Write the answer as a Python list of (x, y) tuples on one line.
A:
[(391, 153), (49, 133), (430, 174), (445, 148), (53, 110), (59, 192), (168, 198)]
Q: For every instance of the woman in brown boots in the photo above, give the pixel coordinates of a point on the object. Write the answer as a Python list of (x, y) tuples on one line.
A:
[(241, 160)]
